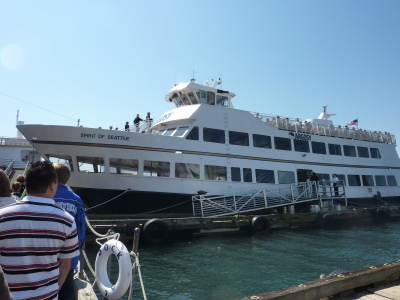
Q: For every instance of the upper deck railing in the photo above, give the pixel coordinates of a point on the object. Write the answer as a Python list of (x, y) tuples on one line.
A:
[(7, 141), (298, 125)]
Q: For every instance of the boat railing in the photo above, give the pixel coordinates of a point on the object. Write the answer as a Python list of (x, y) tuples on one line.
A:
[(6, 141), (297, 125), (273, 196)]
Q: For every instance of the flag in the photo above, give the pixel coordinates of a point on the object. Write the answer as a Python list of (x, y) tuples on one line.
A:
[(354, 122)]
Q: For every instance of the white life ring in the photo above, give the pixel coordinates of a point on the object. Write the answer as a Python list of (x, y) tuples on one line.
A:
[(107, 289)]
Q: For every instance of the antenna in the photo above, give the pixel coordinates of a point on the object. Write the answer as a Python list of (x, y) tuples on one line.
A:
[(17, 115)]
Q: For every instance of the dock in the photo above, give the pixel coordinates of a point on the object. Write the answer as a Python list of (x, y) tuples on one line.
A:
[(380, 282), (157, 229)]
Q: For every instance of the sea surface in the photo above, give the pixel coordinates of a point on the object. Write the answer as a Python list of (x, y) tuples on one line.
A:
[(236, 265)]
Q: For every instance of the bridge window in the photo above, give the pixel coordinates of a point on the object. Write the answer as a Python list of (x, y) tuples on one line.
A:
[(265, 176), (65, 159), (363, 152), (193, 134), (235, 173), (318, 147), (301, 146), (349, 150), (375, 153), (222, 100), (367, 180), (214, 135), (282, 143), (206, 97), (391, 180), (185, 170), (215, 172), (380, 180), (193, 98), (238, 138), (354, 180), (124, 166), (89, 164), (160, 132), (156, 168), (262, 141), (247, 175), (286, 177), (334, 149)]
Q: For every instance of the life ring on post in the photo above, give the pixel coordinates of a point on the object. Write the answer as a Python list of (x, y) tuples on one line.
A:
[(107, 289), (260, 224), (156, 230)]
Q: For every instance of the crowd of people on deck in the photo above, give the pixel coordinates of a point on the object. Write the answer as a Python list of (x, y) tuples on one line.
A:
[(42, 232), (326, 130), (136, 123)]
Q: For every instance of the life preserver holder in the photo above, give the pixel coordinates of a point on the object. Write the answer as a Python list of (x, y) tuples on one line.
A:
[(106, 288)]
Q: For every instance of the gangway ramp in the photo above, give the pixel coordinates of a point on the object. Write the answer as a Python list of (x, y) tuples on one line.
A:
[(272, 196)]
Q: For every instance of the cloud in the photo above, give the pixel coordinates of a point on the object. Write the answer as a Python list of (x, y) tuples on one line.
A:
[(12, 57)]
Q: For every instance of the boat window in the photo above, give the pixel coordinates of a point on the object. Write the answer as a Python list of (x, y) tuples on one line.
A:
[(185, 99), (265, 176), (334, 149), (354, 180), (322, 177), (367, 180), (124, 166), (375, 153), (169, 131), (181, 131), (363, 152), (247, 175), (185, 170), (349, 150), (65, 159), (391, 180), (342, 179), (235, 174), (282, 143), (206, 97), (193, 98), (238, 138), (215, 172), (193, 134), (214, 135), (160, 132), (222, 100), (262, 141), (318, 147), (286, 177), (156, 168), (301, 146), (380, 180), (90, 164)]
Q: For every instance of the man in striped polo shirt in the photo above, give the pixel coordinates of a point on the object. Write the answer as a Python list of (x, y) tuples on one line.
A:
[(37, 238)]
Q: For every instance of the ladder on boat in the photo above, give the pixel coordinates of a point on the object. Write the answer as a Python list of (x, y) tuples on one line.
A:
[(273, 196)]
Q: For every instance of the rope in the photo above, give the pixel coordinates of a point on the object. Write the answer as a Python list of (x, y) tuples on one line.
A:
[(136, 264), (94, 231), (107, 200), (149, 212)]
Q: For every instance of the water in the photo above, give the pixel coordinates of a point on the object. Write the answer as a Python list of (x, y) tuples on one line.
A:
[(238, 265)]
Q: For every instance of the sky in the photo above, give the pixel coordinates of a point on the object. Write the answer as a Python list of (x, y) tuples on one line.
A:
[(102, 62)]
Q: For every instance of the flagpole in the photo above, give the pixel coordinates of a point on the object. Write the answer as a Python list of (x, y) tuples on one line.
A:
[(357, 122)]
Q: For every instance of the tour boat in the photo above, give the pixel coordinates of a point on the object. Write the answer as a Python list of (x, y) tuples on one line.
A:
[(204, 146)]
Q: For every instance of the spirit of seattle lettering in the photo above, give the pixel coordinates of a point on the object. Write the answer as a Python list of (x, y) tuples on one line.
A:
[(105, 136), (300, 136)]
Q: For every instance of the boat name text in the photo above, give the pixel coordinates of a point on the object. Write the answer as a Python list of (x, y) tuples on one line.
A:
[(300, 136), (105, 136)]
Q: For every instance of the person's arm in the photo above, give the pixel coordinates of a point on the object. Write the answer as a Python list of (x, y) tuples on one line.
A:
[(64, 265)]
